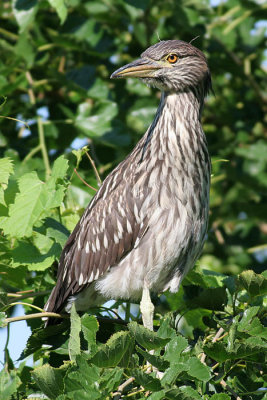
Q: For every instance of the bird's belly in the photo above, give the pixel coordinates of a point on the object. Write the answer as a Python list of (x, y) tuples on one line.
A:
[(163, 256)]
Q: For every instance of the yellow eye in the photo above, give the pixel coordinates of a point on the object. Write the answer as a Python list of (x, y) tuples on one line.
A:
[(172, 58)]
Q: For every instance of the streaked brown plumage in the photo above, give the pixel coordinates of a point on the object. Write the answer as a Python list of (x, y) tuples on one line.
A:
[(145, 227)]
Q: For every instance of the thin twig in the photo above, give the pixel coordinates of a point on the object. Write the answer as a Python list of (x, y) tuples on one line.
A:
[(36, 315), (43, 146), (121, 388), (32, 152), (215, 338), (227, 387), (87, 184), (6, 344), (21, 303), (30, 293), (94, 168)]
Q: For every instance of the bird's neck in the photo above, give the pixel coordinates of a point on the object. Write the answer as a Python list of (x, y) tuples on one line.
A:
[(176, 130)]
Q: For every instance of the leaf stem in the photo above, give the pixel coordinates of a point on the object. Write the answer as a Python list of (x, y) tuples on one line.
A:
[(95, 169), (43, 146), (16, 303), (87, 184), (32, 152)]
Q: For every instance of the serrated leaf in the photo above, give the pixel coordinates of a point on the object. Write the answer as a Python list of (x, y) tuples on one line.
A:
[(2, 319), (79, 154), (146, 338), (61, 9), (32, 203), (110, 354), (156, 361), (60, 168), (8, 384), (90, 326), (157, 395), (218, 352), (75, 329), (174, 349), (173, 372), (6, 169), (183, 393), (24, 12), (110, 380), (84, 375), (220, 396), (146, 380), (50, 380), (4, 300), (29, 255), (255, 284), (54, 335), (198, 370)]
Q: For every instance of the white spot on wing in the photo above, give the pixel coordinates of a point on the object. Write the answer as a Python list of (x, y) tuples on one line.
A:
[(81, 279), (129, 227), (105, 241), (116, 239), (97, 243), (87, 248), (93, 248)]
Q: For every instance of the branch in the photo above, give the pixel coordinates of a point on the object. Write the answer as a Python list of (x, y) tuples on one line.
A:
[(95, 169), (36, 315), (87, 184)]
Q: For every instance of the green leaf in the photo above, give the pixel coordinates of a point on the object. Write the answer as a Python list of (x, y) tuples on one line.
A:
[(146, 380), (75, 329), (110, 380), (220, 396), (172, 373), (174, 348), (24, 12), (29, 255), (61, 9), (34, 200), (96, 122), (247, 350), (157, 395), (251, 324), (83, 376), (50, 380), (156, 361), (90, 326), (60, 169), (4, 300), (113, 351), (198, 370), (2, 319), (9, 383), (255, 284), (183, 393), (146, 338), (6, 169)]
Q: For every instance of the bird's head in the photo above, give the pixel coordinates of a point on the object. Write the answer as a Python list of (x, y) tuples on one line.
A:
[(171, 66)]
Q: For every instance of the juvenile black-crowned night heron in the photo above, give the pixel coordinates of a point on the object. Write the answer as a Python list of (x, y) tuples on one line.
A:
[(145, 227)]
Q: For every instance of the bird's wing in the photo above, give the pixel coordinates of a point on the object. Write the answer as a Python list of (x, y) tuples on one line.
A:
[(108, 230)]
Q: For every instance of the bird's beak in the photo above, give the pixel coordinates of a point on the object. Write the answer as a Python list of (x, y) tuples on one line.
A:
[(141, 68)]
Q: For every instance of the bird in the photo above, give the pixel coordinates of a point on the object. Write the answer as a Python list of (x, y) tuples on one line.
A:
[(146, 226)]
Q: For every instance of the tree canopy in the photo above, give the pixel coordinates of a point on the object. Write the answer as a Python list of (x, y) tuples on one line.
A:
[(56, 97)]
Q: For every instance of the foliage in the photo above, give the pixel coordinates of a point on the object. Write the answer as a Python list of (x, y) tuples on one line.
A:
[(56, 59)]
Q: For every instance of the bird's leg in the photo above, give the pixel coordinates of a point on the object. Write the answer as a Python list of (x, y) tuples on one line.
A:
[(147, 308)]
